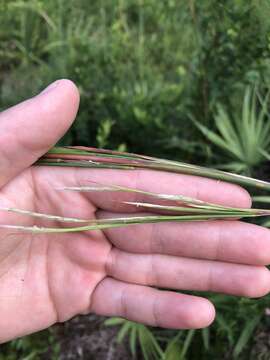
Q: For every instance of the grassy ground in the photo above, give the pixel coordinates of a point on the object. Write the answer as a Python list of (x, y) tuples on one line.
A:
[(146, 69)]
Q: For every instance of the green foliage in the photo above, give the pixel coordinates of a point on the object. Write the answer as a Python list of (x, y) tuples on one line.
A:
[(140, 334), (244, 137), (173, 349), (32, 347), (234, 326), (245, 335), (140, 65)]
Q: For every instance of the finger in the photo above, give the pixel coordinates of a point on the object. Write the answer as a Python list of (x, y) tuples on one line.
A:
[(29, 129), (154, 181), (229, 241), (160, 182), (189, 274), (150, 306)]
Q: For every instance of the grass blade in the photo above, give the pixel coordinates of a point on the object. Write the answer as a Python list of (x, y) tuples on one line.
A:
[(98, 158), (118, 222), (245, 335), (187, 343)]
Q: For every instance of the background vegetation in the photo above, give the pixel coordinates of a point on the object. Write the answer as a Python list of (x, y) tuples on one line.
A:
[(187, 80)]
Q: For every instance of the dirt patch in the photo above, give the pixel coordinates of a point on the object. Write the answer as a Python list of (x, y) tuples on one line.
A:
[(85, 337), (261, 348)]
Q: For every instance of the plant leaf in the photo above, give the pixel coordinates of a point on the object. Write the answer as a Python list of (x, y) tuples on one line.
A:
[(245, 335)]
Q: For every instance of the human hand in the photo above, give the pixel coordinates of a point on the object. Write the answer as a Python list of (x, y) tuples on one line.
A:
[(47, 278)]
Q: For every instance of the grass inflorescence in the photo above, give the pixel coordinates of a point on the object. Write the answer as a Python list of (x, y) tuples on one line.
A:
[(180, 208)]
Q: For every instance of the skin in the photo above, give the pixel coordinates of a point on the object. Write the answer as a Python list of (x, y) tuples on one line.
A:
[(50, 278)]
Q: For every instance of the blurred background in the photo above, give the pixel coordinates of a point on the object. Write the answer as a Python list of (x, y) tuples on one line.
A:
[(185, 80)]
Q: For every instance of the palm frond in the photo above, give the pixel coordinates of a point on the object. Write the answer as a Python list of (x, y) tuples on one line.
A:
[(245, 136)]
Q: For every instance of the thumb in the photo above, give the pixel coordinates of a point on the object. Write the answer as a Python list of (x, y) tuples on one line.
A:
[(30, 129)]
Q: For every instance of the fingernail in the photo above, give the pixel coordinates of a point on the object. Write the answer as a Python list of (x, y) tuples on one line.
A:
[(50, 87)]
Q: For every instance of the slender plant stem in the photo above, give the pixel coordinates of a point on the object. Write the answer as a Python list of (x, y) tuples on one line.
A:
[(98, 158)]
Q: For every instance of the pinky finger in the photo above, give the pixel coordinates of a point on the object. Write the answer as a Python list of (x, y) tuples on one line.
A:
[(150, 306)]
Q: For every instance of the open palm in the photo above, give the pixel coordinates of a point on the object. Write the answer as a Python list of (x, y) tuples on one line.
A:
[(50, 278)]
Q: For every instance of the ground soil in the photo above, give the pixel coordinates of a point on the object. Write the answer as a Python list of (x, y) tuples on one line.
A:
[(86, 338)]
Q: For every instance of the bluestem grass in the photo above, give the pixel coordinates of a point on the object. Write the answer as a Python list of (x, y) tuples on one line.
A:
[(180, 208), (106, 159)]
